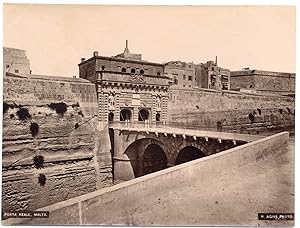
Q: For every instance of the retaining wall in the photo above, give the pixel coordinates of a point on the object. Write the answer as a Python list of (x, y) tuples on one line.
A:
[(101, 206), (67, 142), (207, 107)]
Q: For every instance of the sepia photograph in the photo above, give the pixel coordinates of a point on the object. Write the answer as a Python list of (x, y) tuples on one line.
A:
[(148, 115)]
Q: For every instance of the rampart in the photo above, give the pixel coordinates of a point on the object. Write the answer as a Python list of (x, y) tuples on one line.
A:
[(229, 110), (260, 80), (51, 145)]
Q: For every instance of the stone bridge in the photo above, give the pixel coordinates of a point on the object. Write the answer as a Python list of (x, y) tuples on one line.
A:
[(141, 150)]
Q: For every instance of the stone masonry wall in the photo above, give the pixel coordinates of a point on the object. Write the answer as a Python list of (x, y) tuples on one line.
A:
[(242, 82), (231, 110), (263, 80), (50, 149), (275, 83)]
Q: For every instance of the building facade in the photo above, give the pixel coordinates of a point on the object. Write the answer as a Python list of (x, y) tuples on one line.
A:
[(181, 73), (15, 61), (129, 89), (204, 75), (263, 81), (211, 76)]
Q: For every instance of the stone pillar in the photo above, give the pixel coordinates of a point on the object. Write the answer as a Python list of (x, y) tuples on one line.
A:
[(102, 156), (103, 106), (164, 109), (154, 111), (117, 108), (122, 167), (135, 114)]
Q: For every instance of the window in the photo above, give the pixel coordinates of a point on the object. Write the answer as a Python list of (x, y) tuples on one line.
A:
[(7, 66), (183, 85), (190, 78), (16, 71), (132, 71), (141, 71), (183, 77), (158, 73), (103, 67), (175, 81), (123, 69)]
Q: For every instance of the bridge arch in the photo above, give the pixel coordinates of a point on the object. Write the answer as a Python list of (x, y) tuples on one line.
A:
[(146, 156), (154, 159), (188, 153)]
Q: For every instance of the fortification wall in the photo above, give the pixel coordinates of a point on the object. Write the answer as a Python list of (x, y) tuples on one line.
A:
[(263, 80), (268, 83), (231, 109), (51, 148)]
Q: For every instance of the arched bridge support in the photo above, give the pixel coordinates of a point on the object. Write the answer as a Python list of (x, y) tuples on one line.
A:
[(162, 151)]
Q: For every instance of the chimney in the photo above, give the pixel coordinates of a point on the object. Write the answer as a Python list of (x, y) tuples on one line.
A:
[(82, 59), (216, 60), (95, 53)]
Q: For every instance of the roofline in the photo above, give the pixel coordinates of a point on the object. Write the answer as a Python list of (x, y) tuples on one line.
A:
[(12, 48), (49, 78), (118, 59), (257, 72)]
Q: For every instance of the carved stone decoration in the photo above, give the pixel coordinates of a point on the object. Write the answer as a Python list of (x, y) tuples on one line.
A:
[(111, 99), (137, 78), (158, 101)]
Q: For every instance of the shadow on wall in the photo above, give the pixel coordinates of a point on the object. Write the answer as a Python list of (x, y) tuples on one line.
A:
[(187, 154), (154, 158), (144, 162)]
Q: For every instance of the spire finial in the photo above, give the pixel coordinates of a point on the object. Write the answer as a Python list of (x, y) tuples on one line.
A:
[(126, 44), (216, 60)]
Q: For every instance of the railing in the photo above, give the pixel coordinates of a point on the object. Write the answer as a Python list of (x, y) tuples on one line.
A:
[(157, 124), (225, 128), (182, 130)]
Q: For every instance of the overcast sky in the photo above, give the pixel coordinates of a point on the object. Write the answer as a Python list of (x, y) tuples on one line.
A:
[(57, 36)]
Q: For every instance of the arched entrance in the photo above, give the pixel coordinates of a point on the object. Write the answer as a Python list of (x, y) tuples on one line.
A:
[(154, 159), (125, 114), (188, 153), (143, 115)]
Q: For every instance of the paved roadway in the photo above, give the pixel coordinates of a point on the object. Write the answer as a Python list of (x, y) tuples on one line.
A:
[(234, 198)]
